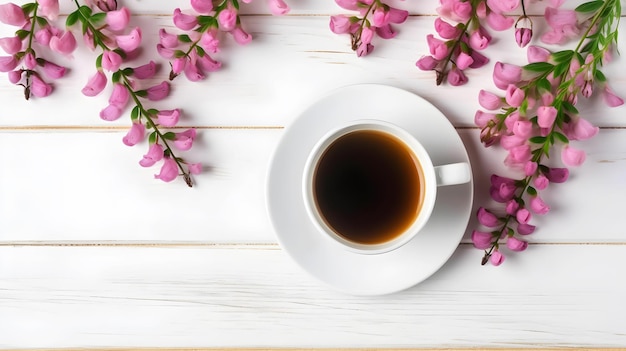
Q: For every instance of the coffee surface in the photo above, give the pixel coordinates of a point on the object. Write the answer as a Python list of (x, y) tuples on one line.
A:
[(367, 187)]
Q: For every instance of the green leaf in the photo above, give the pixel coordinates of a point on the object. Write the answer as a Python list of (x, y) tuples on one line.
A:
[(116, 76), (562, 56), (169, 136), (599, 76), (72, 18), (546, 150), (99, 62), (85, 11), (200, 51), (560, 69), (152, 111), (531, 191), (42, 22), (128, 71), (22, 33), (98, 17), (544, 85), (184, 38), (538, 140), (207, 21), (591, 6), (152, 138), (562, 138), (569, 107), (28, 8), (541, 67), (236, 4), (179, 53), (134, 113), (141, 93)]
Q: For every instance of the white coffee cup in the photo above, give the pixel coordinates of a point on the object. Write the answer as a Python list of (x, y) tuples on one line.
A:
[(374, 135)]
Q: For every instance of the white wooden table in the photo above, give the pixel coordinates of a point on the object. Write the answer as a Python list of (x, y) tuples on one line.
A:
[(95, 253)]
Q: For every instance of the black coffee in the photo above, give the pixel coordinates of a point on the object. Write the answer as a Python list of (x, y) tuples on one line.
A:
[(367, 187)]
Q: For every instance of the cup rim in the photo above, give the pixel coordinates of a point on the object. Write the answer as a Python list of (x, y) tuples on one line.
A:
[(419, 153)]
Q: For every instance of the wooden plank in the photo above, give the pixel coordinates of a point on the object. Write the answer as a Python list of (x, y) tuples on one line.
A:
[(296, 60), (62, 186), (107, 297)]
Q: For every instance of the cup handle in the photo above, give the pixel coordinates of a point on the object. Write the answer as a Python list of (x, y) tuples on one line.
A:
[(454, 173)]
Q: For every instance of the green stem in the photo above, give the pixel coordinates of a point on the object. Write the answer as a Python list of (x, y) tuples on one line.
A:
[(97, 34), (356, 38), (152, 125), (31, 36), (595, 20)]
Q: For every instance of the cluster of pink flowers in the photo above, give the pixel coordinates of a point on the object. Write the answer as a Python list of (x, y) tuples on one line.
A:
[(537, 114), (375, 18), (189, 53), (24, 65)]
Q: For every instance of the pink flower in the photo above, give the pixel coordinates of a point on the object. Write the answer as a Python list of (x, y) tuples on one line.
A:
[(169, 170), (131, 41), (278, 7), (518, 155), (482, 119), (29, 61), (538, 206), (193, 73), (380, 17), (49, 8), (364, 49), (208, 64), (241, 36), (111, 113), (179, 64), (118, 19), (168, 40), (582, 129), (511, 207), (135, 134), (525, 228), (120, 96), (546, 115), (366, 35), (456, 77), (158, 92), (210, 41), (537, 54), (557, 175), (43, 36), (464, 60), (523, 215), (397, 16), (479, 39), (505, 74), (11, 45), (15, 76), (38, 87), (515, 244), (572, 157), (496, 258), (195, 168), (426, 63), (111, 60), (184, 140), (479, 59), (154, 155), (340, 24), (348, 4), (437, 47), (500, 6), (487, 218), (610, 98), (65, 44), (145, 71), (514, 96), (446, 30), (168, 118), (183, 21), (95, 85), (53, 70), (227, 19), (499, 22), (202, 6), (541, 182), (386, 32), (522, 129), (510, 141), (481, 240), (563, 24), (489, 101), (530, 168), (12, 14)]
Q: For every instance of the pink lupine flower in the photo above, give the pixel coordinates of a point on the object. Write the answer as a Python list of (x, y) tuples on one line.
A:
[(111, 113), (489, 101), (340, 24), (514, 96), (523, 215), (482, 119), (499, 22), (500, 6), (104, 5), (505, 74), (511, 207), (397, 16), (348, 4), (530, 168), (557, 175), (366, 35), (426, 63), (563, 25), (195, 168), (522, 129), (184, 140), (193, 73), (168, 40), (89, 39), (541, 182), (208, 64), (364, 49), (169, 170), (202, 6), (538, 206), (158, 92), (437, 47), (53, 70), (210, 41), (118, 19), (386, 31), (515, 244), (135, 134), (464, 60), (15, 76), (487, 218), (95, 85), (130, 41), (145, 71), (546, 115), (183, 21), (179, 64), (64, 44), (278, 7), (13, 15), (111, 60), (446, 30), (227, 19), (525, 228), (456, 77), (39, 88), (479, 39), (518, 155), (11, 45), (380, 17), (523, 31), (119, 96), (537, 54), (49, 8), (479, 59), (154, 155), (581, 129), (610, 98), (496, 258), (510, 141), (29, 61), (241, 36), (168, 118), (481, 240), (572, 157)]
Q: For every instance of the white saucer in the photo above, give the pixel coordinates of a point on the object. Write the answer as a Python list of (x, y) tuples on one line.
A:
[(347, 271)]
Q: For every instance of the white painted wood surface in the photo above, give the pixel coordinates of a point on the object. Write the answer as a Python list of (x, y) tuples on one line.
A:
[(95, 253)]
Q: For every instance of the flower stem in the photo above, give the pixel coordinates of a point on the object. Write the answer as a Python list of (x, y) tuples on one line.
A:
[(356, 38), (31, 35)]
